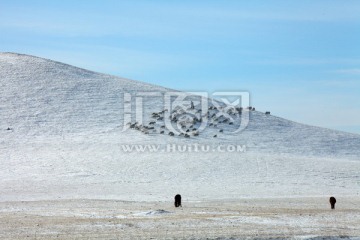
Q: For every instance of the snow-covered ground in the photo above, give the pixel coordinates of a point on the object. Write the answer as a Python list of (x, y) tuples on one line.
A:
[(62, 138), (276, 218)]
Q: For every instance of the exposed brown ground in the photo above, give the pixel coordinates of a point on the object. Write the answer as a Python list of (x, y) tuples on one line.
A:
[(245, 218)]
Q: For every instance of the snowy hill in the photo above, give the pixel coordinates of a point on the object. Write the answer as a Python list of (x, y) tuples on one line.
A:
[(62, 137)]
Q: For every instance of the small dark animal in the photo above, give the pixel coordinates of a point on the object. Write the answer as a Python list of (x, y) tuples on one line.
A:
[(239, 109), (187, 136), (215, 136), (267, 113), (332, 202), (171, 134), (221, 130), (178, 200)]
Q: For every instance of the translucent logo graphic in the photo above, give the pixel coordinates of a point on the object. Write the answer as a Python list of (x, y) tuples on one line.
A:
[(186, 114), (185, 111)]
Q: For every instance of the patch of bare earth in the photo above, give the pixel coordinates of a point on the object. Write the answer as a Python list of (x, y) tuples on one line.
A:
[(245, 218)]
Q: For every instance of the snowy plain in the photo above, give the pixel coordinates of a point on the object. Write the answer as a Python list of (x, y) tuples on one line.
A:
[(62, 140)]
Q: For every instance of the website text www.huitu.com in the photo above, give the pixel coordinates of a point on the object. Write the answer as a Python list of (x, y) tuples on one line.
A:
[(182, 148)]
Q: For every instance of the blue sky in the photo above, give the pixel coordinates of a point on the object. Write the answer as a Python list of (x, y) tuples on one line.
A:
[(298, 59)]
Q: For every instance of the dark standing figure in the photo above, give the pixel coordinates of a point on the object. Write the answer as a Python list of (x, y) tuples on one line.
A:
[(178, 200), (332, 202), (192, 105)]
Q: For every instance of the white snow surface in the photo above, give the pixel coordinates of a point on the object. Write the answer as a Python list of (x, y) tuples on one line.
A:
[(65, 141)]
